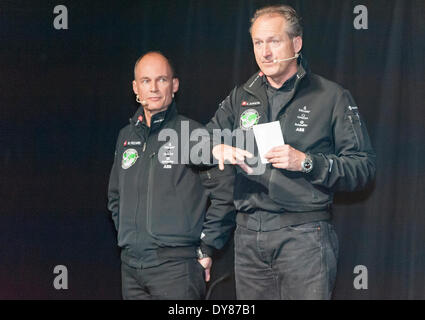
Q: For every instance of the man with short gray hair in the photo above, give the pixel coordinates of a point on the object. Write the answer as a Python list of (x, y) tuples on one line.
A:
[(285, 245)]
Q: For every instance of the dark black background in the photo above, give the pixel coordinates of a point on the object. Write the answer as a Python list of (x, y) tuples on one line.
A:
[(64, 95)]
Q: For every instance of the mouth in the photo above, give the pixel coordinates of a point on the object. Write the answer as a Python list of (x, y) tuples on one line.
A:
[(154, 98)]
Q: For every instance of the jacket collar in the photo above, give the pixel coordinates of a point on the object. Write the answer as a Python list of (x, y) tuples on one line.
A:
[(157, 120)]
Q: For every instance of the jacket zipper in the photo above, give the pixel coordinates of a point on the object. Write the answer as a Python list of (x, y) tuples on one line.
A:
[(149, 197), (354, 130), (138, 191), (283, 124)]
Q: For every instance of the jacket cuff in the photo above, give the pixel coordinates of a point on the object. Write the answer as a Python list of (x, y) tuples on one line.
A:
[(207, 249)]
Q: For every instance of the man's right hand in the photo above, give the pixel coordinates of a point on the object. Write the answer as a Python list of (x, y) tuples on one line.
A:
[(223, 152)]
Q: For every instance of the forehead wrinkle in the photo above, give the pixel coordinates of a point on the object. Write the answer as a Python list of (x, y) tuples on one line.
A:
[(268, 24)]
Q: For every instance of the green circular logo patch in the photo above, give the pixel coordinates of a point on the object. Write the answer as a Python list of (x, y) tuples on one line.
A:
[(129, 158), (249, 118)]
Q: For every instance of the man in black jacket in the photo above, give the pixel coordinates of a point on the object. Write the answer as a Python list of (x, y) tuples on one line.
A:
[(159, 201), (285, 246)]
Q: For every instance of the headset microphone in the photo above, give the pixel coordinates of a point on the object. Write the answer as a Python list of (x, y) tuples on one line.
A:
[(281, 60)]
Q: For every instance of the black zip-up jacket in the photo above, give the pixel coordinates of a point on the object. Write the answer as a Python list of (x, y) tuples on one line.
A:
[(320, 118), (158, 203)]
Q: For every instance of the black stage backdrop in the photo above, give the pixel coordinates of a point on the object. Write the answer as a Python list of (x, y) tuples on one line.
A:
[(66, 93)]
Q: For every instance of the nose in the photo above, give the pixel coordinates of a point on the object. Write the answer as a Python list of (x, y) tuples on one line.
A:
[(154, 86), (266, 50)]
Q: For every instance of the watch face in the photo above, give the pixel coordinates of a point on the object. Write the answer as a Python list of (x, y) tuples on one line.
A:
[(307, 165), (201, 255)]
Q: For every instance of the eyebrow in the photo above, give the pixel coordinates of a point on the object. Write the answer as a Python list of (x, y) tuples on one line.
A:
[(268, 38), (147, 78)]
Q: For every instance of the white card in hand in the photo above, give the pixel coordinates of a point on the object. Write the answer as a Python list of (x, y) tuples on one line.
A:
[(268, 135)]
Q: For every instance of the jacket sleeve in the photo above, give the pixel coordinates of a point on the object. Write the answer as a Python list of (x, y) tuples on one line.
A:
[(220, 217), (113, 189), (353, 163), (224, 117)]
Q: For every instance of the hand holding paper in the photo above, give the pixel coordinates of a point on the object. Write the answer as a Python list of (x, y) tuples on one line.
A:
[(268, 135), (273, 149)]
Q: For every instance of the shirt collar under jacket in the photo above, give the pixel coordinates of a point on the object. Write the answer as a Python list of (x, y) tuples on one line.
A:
[(288, 85)]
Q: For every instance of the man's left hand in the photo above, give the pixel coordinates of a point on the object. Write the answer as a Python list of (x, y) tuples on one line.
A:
[(285, 157), (206, 263)]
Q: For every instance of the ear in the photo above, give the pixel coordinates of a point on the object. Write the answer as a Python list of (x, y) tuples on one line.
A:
[(175, 85), (135, 87), (298, 43)]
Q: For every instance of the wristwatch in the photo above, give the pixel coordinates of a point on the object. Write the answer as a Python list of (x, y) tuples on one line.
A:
[(307, 164), (200, 254)]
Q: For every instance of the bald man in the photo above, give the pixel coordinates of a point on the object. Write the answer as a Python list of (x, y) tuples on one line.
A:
[(166, 233)]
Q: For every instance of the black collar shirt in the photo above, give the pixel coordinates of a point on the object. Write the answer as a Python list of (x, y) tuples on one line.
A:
[(278, 97)]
